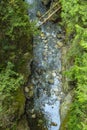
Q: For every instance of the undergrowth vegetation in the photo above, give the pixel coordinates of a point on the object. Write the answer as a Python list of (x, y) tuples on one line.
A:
[(16, 32), (10, 81), (10, 88), (74, 17)]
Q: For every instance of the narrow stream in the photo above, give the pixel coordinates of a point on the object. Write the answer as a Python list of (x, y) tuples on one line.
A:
[(46, 72)]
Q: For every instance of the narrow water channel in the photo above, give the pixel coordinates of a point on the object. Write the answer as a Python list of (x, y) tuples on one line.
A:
[(46, 73)]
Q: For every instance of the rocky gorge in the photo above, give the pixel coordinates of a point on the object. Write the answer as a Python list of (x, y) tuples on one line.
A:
[(35, 98), (47, 103), (43, 65)]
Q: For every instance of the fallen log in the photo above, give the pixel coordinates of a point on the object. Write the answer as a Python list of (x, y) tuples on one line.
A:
[(48, 11), (46, 19)]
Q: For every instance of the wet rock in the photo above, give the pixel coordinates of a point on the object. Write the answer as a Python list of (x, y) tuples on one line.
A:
[(56, 46), (59, 98), (32, 111), (42, 34), (22, 124), (29, 90), (45, 58), (53, 123), (31, 87), (44, 53), (51, 81), (31, 93), (46, 46), (54, 74), (59, 77), (59, 44), (34, 45), (26, 89), (46, 2), (45, 41), (48, 27), (40, 121), (38, 14), (59, 36), (50, 53), (34, 116)]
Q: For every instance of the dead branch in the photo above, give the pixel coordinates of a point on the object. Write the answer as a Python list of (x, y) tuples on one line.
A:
[(49, 11), (46, 19)]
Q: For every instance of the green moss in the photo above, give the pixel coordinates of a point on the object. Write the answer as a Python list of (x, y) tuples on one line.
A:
[(12, 99), (12, 111), (16, 47), (19, 100), (22, 124), (64, 123)]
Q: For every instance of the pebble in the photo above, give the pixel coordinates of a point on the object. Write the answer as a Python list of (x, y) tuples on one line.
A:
[(38, 14), (59, 98), (45, 46), (45, 41), (32, 111), (44, 53), (53, 123), (42, 34), (59, 36), (45, 58), (59, 44), (34, 45), (31, 94), (51, 81), (54, 74), (26, 89), (56, 46), (34, 116), (50, 53)]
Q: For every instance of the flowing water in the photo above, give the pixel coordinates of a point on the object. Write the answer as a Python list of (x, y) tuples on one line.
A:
[(46, 73)]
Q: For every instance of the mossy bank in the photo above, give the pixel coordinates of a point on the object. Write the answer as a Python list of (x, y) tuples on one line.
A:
[(15, 57)]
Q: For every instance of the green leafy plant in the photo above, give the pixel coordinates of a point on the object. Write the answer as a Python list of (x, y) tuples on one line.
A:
[(16, 32), (10, 81), (74, 16), (12, 99)]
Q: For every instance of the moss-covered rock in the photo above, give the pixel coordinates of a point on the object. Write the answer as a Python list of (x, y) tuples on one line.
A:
[(29, 91), (22, 124), (15, 36), (65, 105), (11, 109), (64, 110), (15, 47), (46, 2), (65, 66)]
